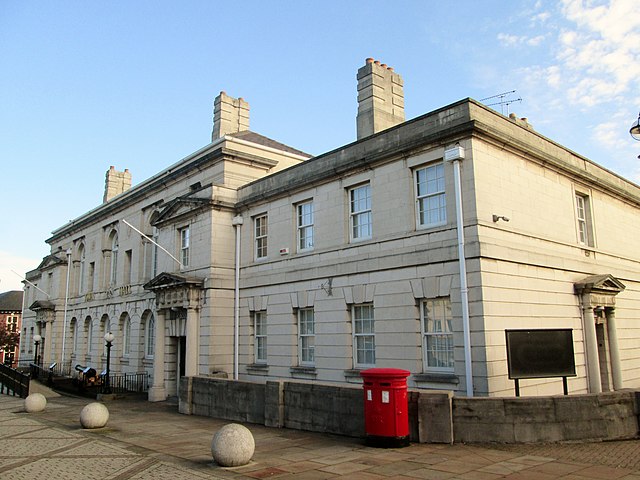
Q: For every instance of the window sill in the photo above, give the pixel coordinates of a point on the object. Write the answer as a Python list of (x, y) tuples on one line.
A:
[(258, 369), (303, 372), (432, 377), (353, 375)]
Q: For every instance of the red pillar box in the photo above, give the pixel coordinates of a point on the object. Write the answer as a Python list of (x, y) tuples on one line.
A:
[(386, 417)]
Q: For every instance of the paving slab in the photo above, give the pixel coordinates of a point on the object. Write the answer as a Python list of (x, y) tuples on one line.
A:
[(145, 440)]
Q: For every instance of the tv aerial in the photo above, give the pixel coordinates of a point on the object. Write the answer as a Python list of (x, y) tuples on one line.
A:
[(503, 100)]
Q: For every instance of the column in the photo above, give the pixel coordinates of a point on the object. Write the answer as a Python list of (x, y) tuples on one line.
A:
[(158, 391), (614, 353), (191, 357), (591, 349)]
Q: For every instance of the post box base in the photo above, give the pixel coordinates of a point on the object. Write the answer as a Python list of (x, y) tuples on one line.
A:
[(387, 442)]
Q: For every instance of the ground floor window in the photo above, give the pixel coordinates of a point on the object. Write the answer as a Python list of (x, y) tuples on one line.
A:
[(437, 334)]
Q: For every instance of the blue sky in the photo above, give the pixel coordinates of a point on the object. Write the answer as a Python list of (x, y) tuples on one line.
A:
[(86, 85)]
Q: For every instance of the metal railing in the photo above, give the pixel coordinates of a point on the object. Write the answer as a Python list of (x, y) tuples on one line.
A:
[(126, 383), (14, 382)]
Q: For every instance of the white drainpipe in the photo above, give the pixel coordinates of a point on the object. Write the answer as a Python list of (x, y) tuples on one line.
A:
[(456, 154), (237, 223)]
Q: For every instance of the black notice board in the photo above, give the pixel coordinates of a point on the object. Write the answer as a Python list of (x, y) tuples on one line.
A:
[(540, 353)]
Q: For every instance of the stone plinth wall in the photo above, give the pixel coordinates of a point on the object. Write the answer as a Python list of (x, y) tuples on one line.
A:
[(434, 417), (546, 419)]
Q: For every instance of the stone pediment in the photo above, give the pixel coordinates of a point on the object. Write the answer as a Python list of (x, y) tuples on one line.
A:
[(181, 206), (599, 284), (42, 305), (50, 261), (172, 280)]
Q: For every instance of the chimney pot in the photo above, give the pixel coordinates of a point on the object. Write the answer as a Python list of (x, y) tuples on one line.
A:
[(390, 69), (384, 65), (369, 60), (377, 62)]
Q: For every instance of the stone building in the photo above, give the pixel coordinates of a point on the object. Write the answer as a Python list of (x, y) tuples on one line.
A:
[(417, 246), (11, 320)]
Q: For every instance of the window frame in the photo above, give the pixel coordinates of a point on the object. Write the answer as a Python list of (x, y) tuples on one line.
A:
[(422, 198), (305, 226), (260, 337), (150, 336), (584, 219), (427, 334), (126, 337), (356, 212), (184, 238), (113, 274), (261, 235), (306, 336), (368, 337)]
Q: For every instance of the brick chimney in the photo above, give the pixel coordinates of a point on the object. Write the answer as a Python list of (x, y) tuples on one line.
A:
[(380, 98), (115, 183), (230, 115)]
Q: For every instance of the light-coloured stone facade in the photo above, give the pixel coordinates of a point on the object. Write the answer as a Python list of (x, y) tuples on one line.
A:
[(351, 259)]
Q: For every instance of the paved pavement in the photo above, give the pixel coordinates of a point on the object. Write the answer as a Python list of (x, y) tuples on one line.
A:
[(152, 441)]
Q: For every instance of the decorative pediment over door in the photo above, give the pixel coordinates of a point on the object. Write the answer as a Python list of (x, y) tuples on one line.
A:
[(176, 291), (599, 290)]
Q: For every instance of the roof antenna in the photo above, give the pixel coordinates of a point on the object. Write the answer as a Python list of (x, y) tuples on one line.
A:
[(503, 101)]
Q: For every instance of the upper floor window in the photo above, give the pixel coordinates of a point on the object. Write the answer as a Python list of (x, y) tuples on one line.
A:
[(360, 212), (12, 324), (431, 205), (437, 334), (364, 339), (305, 226), (82, 272), (261, 231), (260, 336), (185, 242), (306, 336), (114, 259), (584, 222)]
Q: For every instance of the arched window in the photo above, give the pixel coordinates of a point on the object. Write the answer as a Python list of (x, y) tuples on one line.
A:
[(89, 327), (81, 272), (150, 336), (74, 336), (114, 258), (126, 336)]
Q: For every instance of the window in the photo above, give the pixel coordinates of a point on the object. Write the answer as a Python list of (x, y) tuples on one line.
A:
[(12, 324), (89, 337), (360, 212), (114, 259), (261, 230), (75, 337), (431, 205), (184, 246), (92, 271), (126, 340), (583, 216), (128, 257), (364, 340), (23, 340), (438, 334), (305, 226), (260, 336), (82, 273), (306, 336), (150, 336)]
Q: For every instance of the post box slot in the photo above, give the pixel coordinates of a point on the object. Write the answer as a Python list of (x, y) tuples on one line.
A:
[(385, 384)]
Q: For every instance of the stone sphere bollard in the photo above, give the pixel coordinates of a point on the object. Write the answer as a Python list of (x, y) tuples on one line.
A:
[(232, 446), (94, 415), (35, 403)]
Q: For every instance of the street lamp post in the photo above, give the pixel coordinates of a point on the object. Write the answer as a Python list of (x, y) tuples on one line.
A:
[(37, 339), (108, 337)]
